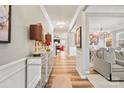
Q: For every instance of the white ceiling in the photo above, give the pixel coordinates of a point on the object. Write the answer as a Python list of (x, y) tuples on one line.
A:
[(61, 16), (108, 23), (106, 8)]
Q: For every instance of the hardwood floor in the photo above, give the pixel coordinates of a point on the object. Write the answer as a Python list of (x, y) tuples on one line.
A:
[(66, 67)]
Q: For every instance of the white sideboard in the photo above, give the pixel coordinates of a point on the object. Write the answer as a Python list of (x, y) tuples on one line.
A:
[(33, 68), (38, 70)]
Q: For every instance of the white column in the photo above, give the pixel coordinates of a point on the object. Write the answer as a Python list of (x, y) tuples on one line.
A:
[(85, 46), (82, 57), (72, 47), (113, 39), (68, 40)]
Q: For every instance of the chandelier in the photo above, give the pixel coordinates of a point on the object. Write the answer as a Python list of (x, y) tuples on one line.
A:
[(102, 33)]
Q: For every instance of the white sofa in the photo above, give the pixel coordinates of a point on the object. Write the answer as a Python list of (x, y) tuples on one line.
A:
[(105, 63), (119, 54)]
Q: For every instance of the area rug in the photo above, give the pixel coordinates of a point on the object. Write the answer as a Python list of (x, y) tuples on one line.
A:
[(62, 81), (99, 81)]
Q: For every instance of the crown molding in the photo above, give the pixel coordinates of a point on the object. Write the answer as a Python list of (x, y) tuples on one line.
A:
[(79, 9), (44, 11)]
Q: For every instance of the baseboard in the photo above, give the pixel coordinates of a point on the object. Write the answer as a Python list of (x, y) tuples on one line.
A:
[(81, 75)]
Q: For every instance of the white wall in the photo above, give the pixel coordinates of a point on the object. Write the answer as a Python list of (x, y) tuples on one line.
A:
[(121, 36), (21, 46), (12, 67), (79, 23), (72, 50), (71, 44)]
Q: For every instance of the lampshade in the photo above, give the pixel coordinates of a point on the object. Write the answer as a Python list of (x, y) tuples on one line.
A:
[(48, 37), (36, 32)]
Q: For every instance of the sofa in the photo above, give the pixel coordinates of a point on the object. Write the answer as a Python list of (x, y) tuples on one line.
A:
[(119, 54), (106, 64)]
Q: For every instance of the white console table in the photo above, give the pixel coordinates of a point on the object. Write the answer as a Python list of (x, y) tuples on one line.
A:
[(33, 71), (38, 69)]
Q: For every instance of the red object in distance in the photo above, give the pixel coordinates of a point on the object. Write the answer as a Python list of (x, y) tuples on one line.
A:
[(62, 48)]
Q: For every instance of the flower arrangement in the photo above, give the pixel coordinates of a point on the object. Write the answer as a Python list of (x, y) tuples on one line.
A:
[(47, 43), (44, 44)]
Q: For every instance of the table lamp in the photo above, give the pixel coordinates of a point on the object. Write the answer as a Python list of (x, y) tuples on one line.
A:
[(36, 34)]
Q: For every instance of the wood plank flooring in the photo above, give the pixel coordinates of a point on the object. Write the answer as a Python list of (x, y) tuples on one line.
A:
[(66, 67)]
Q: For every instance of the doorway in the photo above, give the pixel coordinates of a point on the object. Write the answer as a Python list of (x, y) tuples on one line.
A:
[(104, 29)]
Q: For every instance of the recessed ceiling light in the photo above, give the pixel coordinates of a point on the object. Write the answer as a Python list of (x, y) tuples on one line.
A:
[(60, 23), (61, 26)]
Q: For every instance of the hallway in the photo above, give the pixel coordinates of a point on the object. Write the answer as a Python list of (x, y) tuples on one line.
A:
[(59, 45), (66, 67)]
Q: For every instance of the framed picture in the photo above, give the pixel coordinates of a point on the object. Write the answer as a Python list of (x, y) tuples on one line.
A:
[(94, 39), (5, 23), (78, 37)]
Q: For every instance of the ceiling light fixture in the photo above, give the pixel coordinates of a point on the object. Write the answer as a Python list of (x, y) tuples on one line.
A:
[(61, 26), (103, 33), (60, 23)]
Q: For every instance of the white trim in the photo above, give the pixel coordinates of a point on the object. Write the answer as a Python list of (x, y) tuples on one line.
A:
[(46, 16), (118, 30), (75, 17), (11, 69), (81, 75), (87, 72), (6, 76), (120, 39), (11, 64), (104, 14)]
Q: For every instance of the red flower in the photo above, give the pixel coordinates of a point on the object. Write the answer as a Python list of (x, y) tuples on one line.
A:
[(48, 43)]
